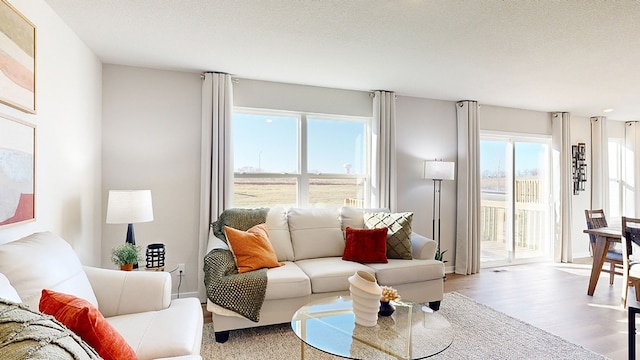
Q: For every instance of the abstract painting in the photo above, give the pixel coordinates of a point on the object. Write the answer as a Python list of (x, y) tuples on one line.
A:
[(17, 171), (17, 59)]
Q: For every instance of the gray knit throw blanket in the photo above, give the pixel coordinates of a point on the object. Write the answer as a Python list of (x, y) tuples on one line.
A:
[(27, 334), (242, 293)]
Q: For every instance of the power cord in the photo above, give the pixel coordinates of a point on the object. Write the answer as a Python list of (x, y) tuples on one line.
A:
[(179, 283), (180, 275)]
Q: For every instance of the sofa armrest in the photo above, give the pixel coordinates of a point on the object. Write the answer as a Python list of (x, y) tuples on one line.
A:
[(127, 292), (422, 247)]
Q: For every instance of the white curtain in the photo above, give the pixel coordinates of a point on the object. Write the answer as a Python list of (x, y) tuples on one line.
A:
[(631, 169), (562, 186), (468, 219), (599, 164), (383, 159), (216, 185)]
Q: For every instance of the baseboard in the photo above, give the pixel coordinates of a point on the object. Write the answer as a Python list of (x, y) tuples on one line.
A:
[(185, 295)]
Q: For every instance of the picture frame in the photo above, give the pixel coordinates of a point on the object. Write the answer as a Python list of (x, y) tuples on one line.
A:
[(17, 171), (17, 59)]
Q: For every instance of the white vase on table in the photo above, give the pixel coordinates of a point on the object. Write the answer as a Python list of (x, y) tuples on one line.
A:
[(365, 297)]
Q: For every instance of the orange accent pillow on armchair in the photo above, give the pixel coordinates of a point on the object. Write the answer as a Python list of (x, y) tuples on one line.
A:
[(87, 322)]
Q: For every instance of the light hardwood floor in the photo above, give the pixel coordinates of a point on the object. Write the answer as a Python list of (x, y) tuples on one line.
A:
[(553, 297)]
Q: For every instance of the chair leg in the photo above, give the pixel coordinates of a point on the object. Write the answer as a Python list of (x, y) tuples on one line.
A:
[(636, 286), (612, 272), (625, 288)]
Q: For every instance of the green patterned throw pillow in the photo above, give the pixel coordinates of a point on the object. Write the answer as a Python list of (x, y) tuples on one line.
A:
[(399, 234), (27, 334)]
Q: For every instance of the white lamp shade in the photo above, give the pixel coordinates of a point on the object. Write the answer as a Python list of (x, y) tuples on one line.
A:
[(439, 170), (129, 206)]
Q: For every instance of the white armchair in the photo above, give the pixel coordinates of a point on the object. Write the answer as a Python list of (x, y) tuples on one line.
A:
[(137, 304)]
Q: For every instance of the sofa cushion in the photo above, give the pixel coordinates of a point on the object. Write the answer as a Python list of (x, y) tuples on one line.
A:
[(176, 331), (7, 291), (44, 261), (40, 336), (366, 245), (315, 233), (279, 236), (354, 217), (87, 322), (287, 281), (398, 271), (399, 234), (331, 274), (251, 249)]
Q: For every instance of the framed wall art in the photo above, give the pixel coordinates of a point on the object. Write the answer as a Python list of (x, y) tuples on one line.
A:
[(17, 171), (17, 59)]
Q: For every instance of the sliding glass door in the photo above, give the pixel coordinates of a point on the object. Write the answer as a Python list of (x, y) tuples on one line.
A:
[(515, 217)]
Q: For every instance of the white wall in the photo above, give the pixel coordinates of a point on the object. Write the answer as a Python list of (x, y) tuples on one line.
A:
[(151, 140), (291, 97), (496, 118), (68, 171), (581, 132), (427, 130)]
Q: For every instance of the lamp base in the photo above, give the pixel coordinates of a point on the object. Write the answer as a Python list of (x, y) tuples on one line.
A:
[(131, 239)]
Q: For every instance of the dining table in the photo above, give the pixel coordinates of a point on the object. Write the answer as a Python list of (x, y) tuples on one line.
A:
[(604, 237)]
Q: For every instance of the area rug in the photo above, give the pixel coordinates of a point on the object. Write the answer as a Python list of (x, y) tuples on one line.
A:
[(480, 333)]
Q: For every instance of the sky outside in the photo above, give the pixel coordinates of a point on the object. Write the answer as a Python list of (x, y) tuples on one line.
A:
[(529, 157), (270, 143)]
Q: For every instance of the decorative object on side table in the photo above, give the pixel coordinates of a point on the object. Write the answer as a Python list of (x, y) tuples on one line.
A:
[(386, 307), (125, 256), (155, 257), (438, 170), (129, 207), (365, 296)]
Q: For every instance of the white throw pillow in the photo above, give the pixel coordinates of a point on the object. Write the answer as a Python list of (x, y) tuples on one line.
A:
[(279, 237), (315, 233), (354, 217)]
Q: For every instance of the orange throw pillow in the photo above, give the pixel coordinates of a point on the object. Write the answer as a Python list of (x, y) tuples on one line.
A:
[(251, 248), (87, 322)]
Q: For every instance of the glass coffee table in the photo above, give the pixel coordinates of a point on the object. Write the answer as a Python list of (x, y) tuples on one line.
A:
[(413, 331)]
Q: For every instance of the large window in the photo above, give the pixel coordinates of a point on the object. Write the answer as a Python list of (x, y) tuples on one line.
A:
[(299, 159)]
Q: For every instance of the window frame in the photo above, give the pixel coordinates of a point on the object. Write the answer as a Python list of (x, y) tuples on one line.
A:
[(302, 176)]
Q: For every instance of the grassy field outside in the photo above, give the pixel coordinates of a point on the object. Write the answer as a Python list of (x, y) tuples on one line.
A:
[(326, 193)]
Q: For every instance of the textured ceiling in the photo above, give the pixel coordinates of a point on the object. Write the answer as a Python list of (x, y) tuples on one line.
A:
[(545, 55)]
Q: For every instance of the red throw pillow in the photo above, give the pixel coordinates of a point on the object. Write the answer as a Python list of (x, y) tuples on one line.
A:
[(87, 322), (366, 245)]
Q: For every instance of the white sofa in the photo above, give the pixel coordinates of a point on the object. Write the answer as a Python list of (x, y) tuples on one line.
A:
[(310, 243), (136, 303)]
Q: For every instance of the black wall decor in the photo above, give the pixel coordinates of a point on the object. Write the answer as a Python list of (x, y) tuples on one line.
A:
[(579, 167)]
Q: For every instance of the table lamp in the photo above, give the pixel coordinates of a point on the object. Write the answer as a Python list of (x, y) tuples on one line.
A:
[(129, 207)]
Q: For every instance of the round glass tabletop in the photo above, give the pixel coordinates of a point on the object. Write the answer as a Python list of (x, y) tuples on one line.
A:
[(413, 331)]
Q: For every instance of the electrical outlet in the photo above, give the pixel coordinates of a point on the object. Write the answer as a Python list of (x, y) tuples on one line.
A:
[(181, 270)]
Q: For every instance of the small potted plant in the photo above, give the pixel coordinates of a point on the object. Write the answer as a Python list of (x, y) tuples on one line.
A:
[(125, 256)]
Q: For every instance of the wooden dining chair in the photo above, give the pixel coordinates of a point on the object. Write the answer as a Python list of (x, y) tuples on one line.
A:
[(631, 268), (596, 219)]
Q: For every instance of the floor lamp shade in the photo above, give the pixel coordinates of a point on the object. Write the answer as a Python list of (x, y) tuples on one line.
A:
[(439, 170)]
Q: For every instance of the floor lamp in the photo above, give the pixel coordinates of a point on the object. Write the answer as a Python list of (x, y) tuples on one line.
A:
[(438, 171), (129, 207)]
